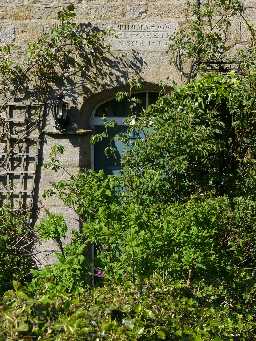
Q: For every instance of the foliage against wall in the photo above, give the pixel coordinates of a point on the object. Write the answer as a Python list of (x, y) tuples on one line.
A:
[(216, 35), (175, 233)]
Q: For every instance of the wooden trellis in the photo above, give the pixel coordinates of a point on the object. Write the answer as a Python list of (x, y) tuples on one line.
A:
[(19, 154)]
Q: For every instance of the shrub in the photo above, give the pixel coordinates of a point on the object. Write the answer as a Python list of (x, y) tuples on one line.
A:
[(16, 244), (160, 310)]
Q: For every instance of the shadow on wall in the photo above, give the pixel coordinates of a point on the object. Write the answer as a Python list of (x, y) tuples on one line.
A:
[(109, 76), (103, 70)]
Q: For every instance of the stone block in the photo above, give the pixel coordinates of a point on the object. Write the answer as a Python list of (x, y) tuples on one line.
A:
[(7, 34)]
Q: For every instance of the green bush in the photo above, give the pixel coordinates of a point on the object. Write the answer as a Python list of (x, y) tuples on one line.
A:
[(158, 310), (70, 273), (211, 236), (200, 139), (174, 235), (16, 244)]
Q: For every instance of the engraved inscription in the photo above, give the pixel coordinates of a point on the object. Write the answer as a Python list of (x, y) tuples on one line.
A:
[(143, 36)]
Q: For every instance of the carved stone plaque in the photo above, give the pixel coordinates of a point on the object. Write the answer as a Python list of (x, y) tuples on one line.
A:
[(142, 36)]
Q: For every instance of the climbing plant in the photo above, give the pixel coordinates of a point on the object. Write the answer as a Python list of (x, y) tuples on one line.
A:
[(68, 56), (214, 36)]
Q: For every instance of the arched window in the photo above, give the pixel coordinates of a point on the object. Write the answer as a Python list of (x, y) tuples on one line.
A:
[(115, 111)]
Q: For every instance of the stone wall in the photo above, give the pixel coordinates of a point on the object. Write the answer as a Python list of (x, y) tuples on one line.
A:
[(141, 25)]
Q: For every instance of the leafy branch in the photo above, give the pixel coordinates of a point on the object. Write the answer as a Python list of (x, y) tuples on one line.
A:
[(207, 40), (56, 61)]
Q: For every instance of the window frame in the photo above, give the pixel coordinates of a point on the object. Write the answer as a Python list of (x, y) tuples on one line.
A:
[(119, 120)]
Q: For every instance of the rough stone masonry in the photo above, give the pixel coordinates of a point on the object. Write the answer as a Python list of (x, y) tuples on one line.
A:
[(143, 26)]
